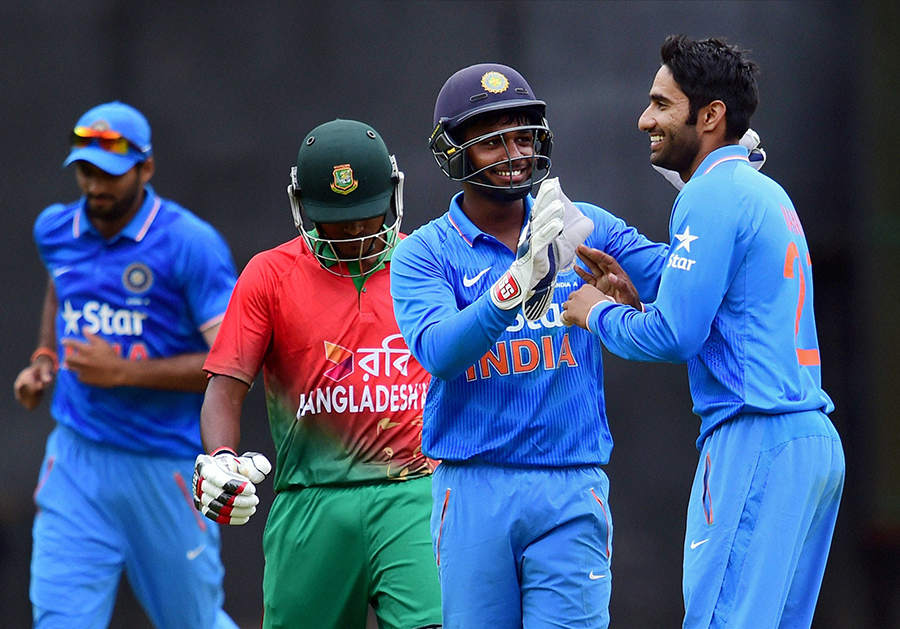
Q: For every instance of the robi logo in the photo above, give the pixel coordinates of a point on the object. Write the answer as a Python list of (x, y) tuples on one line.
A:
[(393, 355), (341, 358)]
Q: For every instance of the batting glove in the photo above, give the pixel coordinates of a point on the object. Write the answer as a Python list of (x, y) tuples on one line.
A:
[(576, 226), (531, 278), (750, 141), (224, 485)]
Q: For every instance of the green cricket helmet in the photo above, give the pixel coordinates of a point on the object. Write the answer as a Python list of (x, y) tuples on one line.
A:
[(345, 173)]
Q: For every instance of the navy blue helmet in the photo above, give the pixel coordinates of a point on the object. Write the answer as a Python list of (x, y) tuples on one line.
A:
[(485, 89)]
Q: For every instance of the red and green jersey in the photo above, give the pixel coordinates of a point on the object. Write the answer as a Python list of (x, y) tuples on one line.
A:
[(344, 394)]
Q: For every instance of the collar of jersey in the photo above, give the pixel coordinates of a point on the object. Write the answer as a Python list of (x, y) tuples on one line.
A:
[(724, 153), (465, 227), (135, 229)]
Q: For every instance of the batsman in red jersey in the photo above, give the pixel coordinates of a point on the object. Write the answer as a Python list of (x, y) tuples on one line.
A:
[(349, 526)]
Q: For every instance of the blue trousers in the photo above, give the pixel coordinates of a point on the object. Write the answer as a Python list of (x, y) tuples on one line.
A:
[(102, 512), (522, 547), (760, 520)]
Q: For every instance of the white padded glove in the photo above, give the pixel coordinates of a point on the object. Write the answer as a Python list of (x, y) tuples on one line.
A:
[(224, 484), (750, 141), (576, 226), (531, 278)]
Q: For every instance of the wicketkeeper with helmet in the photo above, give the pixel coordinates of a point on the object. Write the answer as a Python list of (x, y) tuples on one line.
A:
[(520, 521), (349, 524)]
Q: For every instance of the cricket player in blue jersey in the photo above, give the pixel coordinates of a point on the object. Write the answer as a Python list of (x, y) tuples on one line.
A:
[(137, 288), (736, 303), (521, 525)]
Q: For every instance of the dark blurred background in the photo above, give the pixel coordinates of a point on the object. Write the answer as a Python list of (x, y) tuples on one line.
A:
[(231, 88)]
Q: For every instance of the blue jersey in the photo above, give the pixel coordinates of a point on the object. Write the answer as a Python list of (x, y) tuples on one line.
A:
[(735, 299), (150, 291), (504, 390)]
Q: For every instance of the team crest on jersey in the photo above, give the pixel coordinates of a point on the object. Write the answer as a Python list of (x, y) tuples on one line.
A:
[(343, 183), (494, 82), (137, 278)]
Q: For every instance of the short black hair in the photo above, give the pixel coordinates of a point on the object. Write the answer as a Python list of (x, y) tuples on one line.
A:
[(710, 69)]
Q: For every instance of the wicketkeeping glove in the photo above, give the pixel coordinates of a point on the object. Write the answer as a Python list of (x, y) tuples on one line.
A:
[(224, 485), (750, 141), (531, 278), (576, 226)]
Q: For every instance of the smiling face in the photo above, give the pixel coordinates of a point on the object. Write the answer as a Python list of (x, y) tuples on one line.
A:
[(502, 160), (674, 144)]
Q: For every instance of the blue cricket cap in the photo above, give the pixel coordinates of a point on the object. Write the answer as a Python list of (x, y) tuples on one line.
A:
[(124, 120)]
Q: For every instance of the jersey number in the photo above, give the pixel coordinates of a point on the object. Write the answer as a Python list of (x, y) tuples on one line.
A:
[(806, 357)]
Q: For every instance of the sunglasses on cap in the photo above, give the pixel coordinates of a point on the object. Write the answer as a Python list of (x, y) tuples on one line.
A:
[(110, 141)]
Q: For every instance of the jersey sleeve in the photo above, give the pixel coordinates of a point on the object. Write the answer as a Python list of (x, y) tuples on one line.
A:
[(49, 223), (640, 257), (241, 344), (208, 273), (445, 339), (693, 282)]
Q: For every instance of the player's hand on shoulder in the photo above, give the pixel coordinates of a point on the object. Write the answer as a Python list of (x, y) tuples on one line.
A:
[(224, 485)]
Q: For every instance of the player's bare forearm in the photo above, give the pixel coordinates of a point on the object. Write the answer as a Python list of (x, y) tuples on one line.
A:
[(32, 381), (176, 373), (47, 334), (220, 417), (97, 363)]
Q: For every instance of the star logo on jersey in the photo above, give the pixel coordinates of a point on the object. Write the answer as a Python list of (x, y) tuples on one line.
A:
[(71, 317), (341, 358), (685, 239)]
